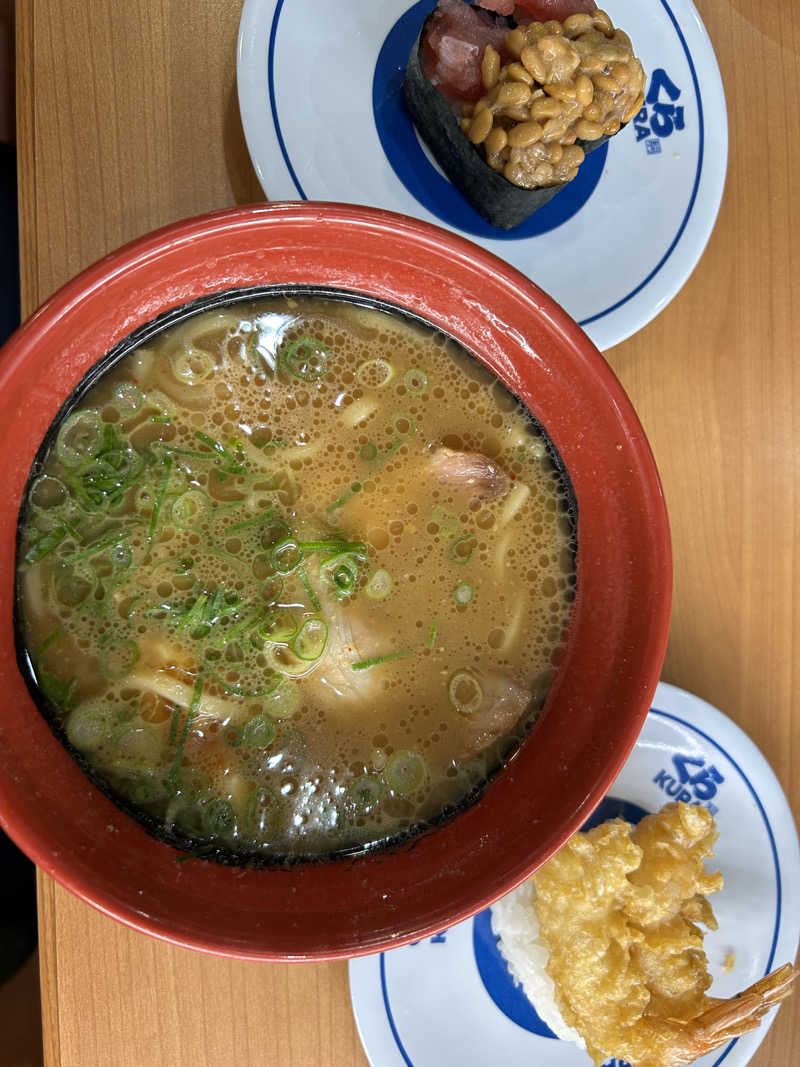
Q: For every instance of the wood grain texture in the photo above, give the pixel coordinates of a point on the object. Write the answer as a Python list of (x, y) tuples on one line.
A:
[(127, 120)]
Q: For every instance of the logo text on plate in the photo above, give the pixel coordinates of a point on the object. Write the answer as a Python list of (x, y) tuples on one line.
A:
[(660, 116), (693, 781)]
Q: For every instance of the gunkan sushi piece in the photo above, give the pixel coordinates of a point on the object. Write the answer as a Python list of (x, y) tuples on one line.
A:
[(510, 105)]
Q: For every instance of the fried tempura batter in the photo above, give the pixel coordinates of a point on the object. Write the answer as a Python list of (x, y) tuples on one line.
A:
[(619, 908)]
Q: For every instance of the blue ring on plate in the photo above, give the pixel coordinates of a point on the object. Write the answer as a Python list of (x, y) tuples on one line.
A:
[(701, 148), (770, 835)]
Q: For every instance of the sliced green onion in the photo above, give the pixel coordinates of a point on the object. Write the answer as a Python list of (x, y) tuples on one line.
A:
[(461, 550), (161, 492), (375, 373), (404, 424), (192, 366), (309, 588), (256, 520), (233, 461), (368, 451), (463, 593), (364, 795), (432, 634), (88, 727), (219, 818), (347, 495), (197, 692), (415, 381), (358, 548), (47, 492), (271, 682), (135, 748), (341, 573), (309, 644), (46, 544), (279, 625), (285, 661), (305, 358), (127, 399), (96, 549), (118, 658), (283, 702), (287, 556), (79, 438), (465, 692), (57, 691), (447, 522), (365, 664), (405, 772), (258, 732), (380, 585), (189, 508), (262, 813)]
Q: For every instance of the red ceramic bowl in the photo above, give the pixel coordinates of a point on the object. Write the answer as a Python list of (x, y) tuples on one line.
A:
[(617, 633)]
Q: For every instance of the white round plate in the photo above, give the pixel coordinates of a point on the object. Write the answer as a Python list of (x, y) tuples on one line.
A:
[(320, 93), (450, 999)]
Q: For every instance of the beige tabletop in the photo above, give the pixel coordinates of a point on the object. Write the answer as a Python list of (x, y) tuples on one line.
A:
[(127, 120)]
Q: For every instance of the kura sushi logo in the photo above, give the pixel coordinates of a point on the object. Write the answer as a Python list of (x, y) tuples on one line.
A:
[(661, 114), (691, 780)]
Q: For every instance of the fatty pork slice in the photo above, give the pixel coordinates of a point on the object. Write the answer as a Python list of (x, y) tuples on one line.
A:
[(545, 10)]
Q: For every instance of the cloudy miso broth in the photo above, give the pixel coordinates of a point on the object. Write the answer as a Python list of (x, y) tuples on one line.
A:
[(293, 576)]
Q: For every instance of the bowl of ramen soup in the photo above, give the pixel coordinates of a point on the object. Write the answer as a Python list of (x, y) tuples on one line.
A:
[(336, 581)]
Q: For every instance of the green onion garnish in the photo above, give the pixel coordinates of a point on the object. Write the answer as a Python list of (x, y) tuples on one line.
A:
[(197, 692), (219, 818), (279, 625), (405, 772), (347, 495), (286, 556), (79, 438), (432, 633), (463, 594), (88, 727), (465, 692), (309, 644), (415, 381), (189, 508), (461, 550), (159, 499), (309, 588), (375, 373), (258, 732), (341, 573), (306, 359), (233, 461), (127, 399), (369, 451), (380, 585), (118, 658), (363, 795), (365, 664)]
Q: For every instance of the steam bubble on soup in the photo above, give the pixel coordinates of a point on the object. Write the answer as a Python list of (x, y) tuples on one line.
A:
[(294, 575)]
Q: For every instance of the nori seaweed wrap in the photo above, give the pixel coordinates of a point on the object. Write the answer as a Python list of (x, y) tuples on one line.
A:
[(500, 201)]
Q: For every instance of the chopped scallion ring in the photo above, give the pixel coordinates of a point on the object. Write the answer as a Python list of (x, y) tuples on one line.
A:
[(306, 359), (192, 366), (79, 438), (375, 373), (465, 692), (258, 732), (415, 381), (380, 585), (365, 664), (363, 795), (279, 626), (127, 399), (189, 508), (286, 556), (405, 772), (461, 550), (369, 451), (341, 573), (309, 644), (463, 593)]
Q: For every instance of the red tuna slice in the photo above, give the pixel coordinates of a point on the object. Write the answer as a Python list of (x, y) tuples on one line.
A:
[(544, 10), (454, 46)]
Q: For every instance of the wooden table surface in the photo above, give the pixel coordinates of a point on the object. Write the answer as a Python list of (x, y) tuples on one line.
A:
[(127, 120)]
